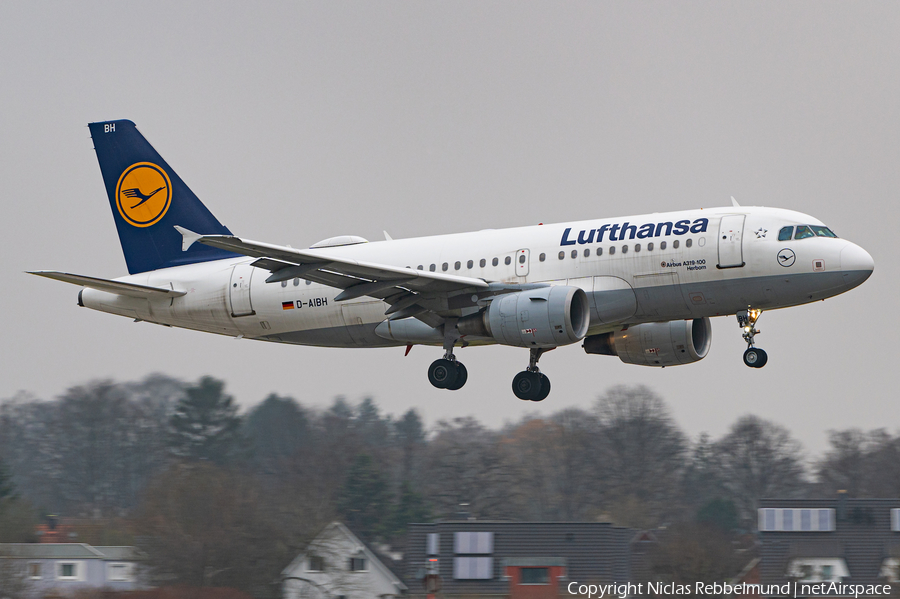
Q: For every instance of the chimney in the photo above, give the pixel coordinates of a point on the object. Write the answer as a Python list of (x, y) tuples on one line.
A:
[(842, 505)]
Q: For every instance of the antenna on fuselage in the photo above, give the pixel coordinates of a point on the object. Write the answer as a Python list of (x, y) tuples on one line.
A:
[(734, 202)]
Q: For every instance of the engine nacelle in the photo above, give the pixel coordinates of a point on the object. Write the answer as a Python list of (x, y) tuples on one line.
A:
[(656, 343), (543, 317)]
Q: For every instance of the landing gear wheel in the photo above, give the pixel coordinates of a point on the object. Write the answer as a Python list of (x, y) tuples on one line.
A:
[(545, 388), (443, 373), (755, 357), (527, 385), (462, 376)]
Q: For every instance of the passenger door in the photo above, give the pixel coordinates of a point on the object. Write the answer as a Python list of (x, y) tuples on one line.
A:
[(239, 290), (731, 230)]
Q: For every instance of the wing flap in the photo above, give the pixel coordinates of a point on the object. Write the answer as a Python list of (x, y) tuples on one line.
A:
[(109, 285)]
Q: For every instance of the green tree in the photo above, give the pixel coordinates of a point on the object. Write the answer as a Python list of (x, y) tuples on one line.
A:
[(720, 513), (205, 424), (411, 508), (363, 500), (276, 430)]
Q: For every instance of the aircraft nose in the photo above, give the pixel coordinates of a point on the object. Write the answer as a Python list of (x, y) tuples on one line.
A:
[(856, 264)]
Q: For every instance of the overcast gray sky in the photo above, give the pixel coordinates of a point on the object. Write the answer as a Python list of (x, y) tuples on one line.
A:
[(295, 122)]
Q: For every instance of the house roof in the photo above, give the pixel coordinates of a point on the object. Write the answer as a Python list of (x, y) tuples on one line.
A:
[(65, 551), (340, 528), (589, 550), (862, 537)]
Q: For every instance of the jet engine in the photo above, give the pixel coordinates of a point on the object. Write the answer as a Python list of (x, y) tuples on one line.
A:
[(541, 318), (655, 343)]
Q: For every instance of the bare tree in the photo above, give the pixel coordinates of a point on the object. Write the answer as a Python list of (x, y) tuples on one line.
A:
[(642, 451), (759, 459), (464, 465)]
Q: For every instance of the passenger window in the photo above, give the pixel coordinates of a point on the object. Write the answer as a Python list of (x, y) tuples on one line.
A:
[(432, 268), (507, 261), (662, 245), (650, 247), (445, 266), (420, 267), (470, 264), (599, 251), (284, 283), (823, 231), (482, 263), (542, 257), (495, 262), (308, 282), (624, 249), (587, 252), (612, 250), (457, 266), (562, 255), (785, 233), (637, 247), (574, 253), (803, 232), (522, 259), (688, 242), (296, 281), (675, 244)]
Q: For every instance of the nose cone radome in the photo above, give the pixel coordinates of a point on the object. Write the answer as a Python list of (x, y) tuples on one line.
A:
[(856, 264)]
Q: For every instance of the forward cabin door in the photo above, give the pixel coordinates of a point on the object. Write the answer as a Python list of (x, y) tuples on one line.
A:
[(731, 230), (239, 290)]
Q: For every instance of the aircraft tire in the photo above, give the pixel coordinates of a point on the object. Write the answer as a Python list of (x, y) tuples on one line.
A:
[(755, 357), (462, 375), (442, 373), (545, 388), (527, 385)]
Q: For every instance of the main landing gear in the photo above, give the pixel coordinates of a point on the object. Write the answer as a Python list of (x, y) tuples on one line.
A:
[(447, 373), (753, 356), (531, 384)]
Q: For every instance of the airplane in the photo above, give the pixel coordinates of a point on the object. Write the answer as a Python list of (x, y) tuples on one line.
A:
[(642, 288)]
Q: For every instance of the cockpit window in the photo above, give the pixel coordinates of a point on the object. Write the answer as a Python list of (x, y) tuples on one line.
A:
[(823, 231), (803, 231), (785, 233)]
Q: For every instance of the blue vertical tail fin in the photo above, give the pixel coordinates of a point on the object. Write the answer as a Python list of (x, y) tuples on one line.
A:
[(148, 199)]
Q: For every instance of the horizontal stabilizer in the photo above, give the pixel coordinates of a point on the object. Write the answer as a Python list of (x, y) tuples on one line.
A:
[(110, 286)]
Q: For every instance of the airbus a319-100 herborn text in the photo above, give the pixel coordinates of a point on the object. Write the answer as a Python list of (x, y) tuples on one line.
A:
[(642, 288)]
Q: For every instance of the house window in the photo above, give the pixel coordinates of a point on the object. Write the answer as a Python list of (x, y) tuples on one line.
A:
[(432, 543), (68, 571), (357, 564), (473, 568), (315, 563), (535, 575), (34, 571), (473, 542), (119, 572), (818, 569)]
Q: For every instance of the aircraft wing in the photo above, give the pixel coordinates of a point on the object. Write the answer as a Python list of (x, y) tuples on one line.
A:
[(110, 286), (410, 292)]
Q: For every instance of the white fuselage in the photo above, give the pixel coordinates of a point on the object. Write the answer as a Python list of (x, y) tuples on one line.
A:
[(713, 266)]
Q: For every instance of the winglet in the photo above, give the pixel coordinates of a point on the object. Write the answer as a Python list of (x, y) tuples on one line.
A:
[(387, 237), (187, 237), (734, 202)]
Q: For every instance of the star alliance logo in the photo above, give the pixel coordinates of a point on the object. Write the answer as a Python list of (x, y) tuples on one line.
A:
[(761, 233)]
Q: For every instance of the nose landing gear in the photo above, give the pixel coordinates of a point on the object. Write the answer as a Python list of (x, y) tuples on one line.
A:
[(753, 356), (531, 384)]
